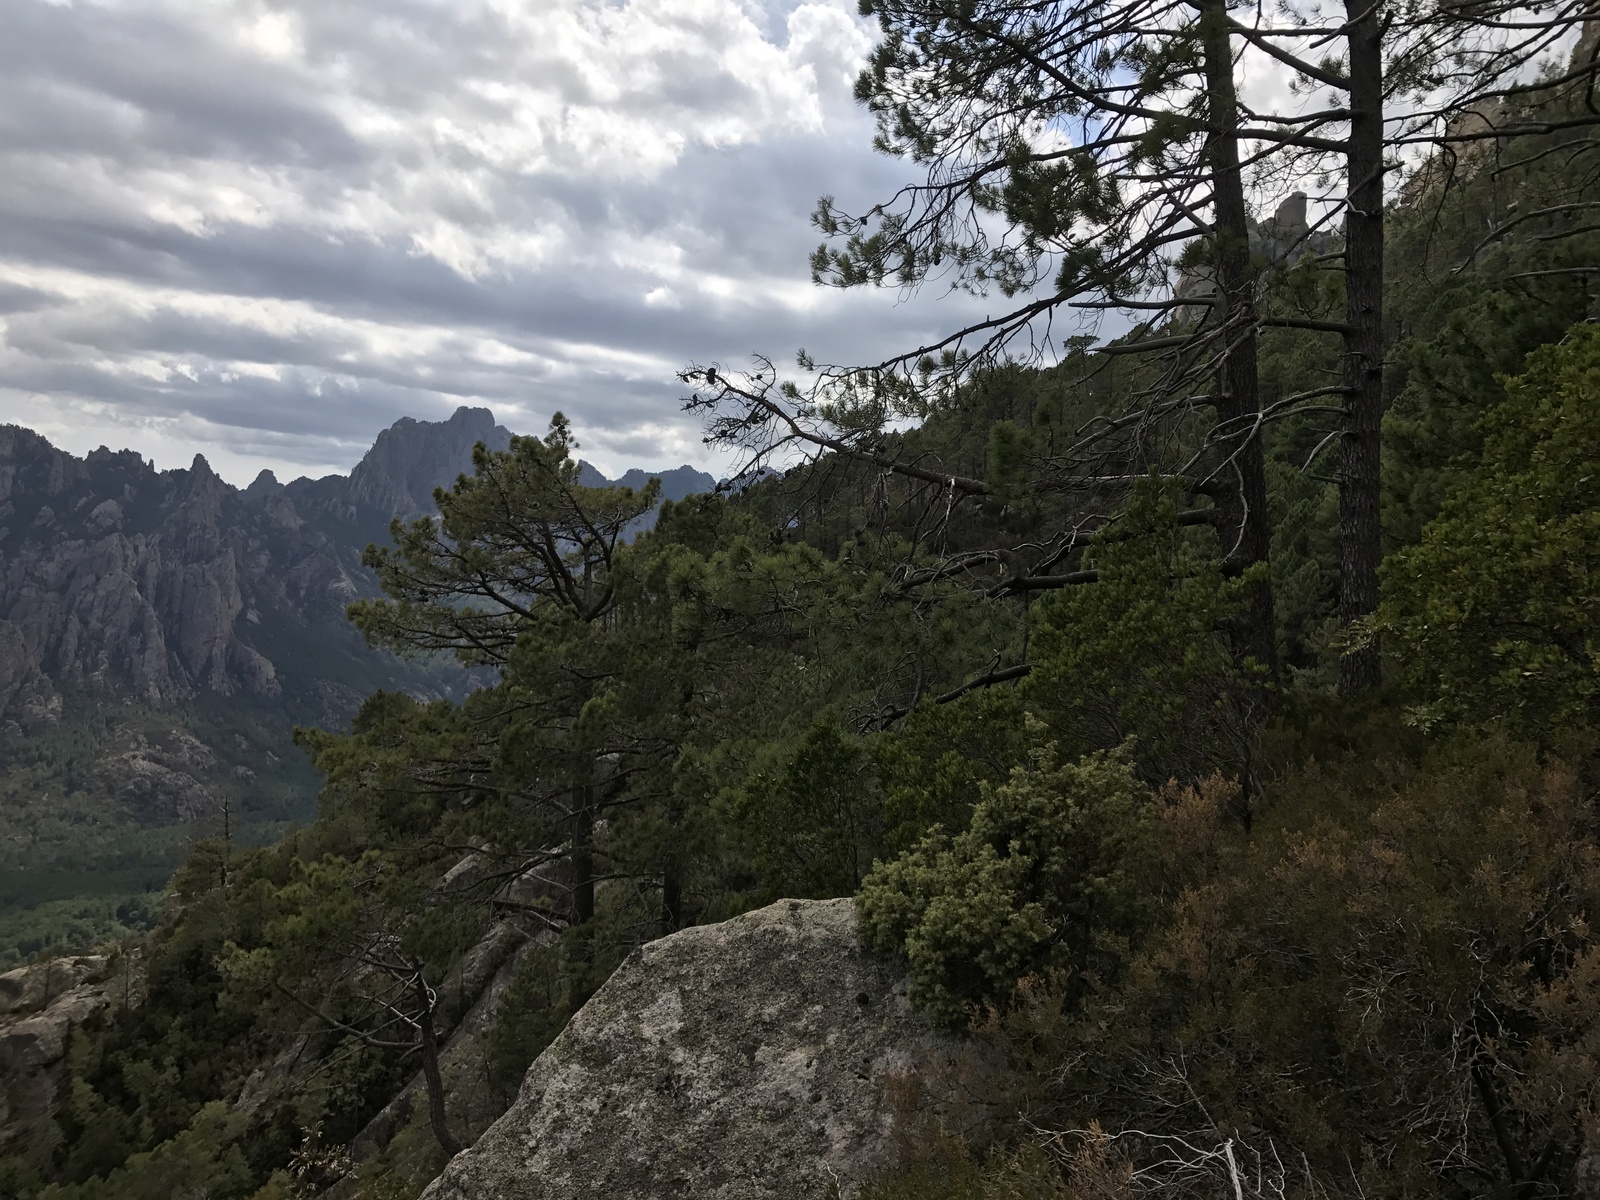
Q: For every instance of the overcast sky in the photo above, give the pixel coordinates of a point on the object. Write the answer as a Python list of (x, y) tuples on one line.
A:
[(264, 231)]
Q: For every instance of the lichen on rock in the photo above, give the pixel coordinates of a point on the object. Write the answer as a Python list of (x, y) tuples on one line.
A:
[(768, 1056)]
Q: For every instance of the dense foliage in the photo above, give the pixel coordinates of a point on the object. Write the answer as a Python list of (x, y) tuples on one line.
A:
[(1205, 905), (1047, 871), (1495, 607)]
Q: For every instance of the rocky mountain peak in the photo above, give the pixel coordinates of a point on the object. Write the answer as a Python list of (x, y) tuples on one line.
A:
[(204, 494), (263, 485), (127, 582), (411, 458)]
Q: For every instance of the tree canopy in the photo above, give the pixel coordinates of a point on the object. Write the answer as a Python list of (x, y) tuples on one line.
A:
[(1048, 662)]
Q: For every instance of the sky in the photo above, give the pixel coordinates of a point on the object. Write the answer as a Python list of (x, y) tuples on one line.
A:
[(265, 231)]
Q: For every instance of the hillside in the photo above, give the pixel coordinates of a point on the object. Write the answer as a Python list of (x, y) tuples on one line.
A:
[(161, 634), (1157, 765)]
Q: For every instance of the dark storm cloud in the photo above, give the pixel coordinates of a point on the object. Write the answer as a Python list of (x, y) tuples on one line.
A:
[(274, 229)]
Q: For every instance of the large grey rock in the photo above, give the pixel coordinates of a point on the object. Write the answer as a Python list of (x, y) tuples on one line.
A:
[(766, 1057), (41, 1006)]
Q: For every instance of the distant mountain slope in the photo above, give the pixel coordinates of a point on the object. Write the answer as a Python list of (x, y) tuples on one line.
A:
[(159, 587), (675, 484), (142, 610), (125, 582)]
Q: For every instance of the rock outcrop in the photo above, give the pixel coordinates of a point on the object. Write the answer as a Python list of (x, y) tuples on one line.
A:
[(40, 1008), (766, 1057), (1281, 240), (160, 784)]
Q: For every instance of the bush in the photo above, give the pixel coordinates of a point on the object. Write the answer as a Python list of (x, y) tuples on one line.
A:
[(1496, 612), (1046, 877), (1394, 980)]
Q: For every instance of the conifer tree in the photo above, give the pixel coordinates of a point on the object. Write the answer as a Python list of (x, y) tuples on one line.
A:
[(1089, 143), (1098, 144)]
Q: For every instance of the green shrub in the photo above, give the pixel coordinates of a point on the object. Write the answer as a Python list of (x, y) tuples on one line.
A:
[(203, 1160), (1045, 878), (1393, 980), (1496, 612)]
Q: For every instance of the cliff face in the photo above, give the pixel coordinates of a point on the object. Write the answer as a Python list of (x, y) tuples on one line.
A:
[(121, 580), (411, 458), (159, 587)]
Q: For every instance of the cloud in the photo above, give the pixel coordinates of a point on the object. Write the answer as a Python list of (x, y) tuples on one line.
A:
[(265, 231)]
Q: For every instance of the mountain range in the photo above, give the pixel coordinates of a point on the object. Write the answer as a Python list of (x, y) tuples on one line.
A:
[(162, 632)]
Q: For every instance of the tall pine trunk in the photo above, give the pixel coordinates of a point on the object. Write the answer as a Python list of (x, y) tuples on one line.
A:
[(1360, 532), (671, 900), (1244, 527)]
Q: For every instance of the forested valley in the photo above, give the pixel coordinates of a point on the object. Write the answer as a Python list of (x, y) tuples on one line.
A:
[(1205, 714)]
